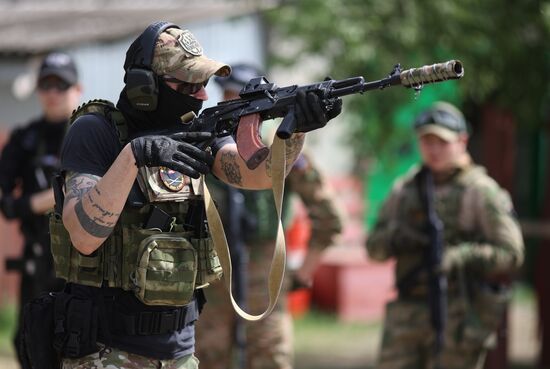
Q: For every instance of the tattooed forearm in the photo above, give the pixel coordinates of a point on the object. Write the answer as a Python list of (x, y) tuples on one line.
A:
[(97, 221), (293, 146), (231, 168), (90, 225), (104, 213)]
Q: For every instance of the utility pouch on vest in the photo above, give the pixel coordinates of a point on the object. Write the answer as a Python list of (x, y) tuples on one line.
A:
[(166, 270), (69, 263), (75, 326), (210, 268), (60, 246), (37, 333)]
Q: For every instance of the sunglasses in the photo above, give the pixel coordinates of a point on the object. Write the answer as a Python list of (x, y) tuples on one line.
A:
[(442, 118), (183, 87), (58, 85)]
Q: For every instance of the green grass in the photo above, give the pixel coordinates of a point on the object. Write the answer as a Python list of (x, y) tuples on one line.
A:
[(8, 319), (316, 328), (322, 341)]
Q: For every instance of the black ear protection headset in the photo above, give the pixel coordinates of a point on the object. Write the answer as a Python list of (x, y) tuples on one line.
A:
[(141, 81)]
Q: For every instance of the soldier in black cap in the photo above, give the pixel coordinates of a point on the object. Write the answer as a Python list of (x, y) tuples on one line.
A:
[(26, 165)]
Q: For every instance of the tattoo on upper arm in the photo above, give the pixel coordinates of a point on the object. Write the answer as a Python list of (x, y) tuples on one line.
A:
[(293, 147), (78, 184), (231, 168)]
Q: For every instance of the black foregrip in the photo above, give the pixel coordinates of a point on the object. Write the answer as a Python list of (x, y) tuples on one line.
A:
[(287, 126)]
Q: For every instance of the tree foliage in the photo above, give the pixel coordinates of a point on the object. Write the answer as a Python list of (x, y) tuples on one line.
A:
[(503, 44)]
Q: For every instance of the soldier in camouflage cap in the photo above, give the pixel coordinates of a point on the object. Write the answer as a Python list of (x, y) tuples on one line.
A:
[(269, 344), (482, 243), (179, 54), (132, 241)]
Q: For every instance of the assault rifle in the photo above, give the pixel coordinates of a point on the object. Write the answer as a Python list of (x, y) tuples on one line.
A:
[(432, 261), (261, 100)]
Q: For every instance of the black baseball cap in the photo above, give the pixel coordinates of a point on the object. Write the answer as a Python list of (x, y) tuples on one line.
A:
[(60, 65)]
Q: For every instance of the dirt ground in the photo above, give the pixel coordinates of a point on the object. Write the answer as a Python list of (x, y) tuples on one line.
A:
[(360, 353)]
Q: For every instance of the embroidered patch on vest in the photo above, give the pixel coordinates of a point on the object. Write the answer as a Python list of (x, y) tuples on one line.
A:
[(174, 181)]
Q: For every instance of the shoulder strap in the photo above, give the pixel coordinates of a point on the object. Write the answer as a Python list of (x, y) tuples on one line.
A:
[(278, 263), (109, 111)]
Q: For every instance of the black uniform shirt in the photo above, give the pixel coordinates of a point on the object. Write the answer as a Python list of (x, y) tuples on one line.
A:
[(91, 146), (28, 159)]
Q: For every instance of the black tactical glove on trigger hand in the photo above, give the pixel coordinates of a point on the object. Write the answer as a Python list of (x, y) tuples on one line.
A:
[(175, 152), (310, 111)]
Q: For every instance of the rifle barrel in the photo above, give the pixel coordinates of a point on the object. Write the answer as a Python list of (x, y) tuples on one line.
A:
[(412, 78)]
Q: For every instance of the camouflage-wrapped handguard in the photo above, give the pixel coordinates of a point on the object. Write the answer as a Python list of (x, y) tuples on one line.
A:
[(416, 77)]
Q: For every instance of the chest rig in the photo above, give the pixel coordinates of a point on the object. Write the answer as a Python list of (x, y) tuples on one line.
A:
[(411, 272), (449, 205), (160, 248)]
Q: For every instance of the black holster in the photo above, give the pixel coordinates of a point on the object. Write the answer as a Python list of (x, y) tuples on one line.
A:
[(75, 326), (36, 349)]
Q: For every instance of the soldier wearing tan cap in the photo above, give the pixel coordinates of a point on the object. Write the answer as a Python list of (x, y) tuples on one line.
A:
[(481, 247), (133, 242), (220, 336)]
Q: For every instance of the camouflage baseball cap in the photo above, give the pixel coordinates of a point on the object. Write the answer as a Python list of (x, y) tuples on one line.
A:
[(179, 54), (443, 120)]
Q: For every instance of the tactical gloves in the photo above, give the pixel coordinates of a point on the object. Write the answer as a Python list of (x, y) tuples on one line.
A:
[(174, 151), (311, 113)]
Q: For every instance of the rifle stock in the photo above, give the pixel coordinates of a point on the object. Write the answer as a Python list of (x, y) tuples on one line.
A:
[(264, 101)]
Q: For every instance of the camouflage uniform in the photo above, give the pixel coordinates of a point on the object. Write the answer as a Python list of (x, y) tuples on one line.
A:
[(269, 342), (482, 240), (108, 358)]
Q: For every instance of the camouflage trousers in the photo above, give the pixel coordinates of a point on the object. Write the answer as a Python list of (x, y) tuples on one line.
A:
[(112, 358), (408, 338), (268, 343)]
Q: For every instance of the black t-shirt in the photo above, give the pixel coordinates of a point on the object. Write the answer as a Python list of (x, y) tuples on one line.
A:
[(91, 146), (29, 159)]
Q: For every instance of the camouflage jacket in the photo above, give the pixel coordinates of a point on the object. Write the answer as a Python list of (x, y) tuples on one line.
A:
[(304, 182), (481, 234), (307, 183)]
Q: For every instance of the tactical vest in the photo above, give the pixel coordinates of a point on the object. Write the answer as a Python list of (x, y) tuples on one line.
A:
[(162, 262)]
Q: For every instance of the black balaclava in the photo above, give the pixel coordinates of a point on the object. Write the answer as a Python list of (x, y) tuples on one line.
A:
[(171, 106)]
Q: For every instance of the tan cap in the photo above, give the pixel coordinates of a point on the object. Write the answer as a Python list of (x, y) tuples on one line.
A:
[(179, 54), (443, 120), (437, 130)]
